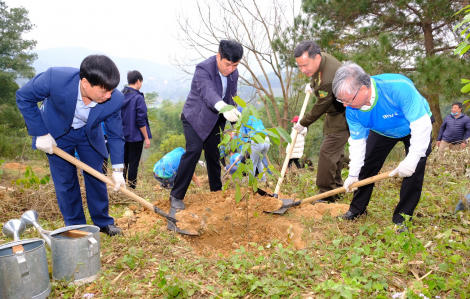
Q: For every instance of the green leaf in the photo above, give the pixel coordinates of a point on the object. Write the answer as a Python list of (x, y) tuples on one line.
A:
[(443, 267), (245, 147), (225, 186), (466, 88), (258, 139), (355, 259), (254, 111), (245, 116), (464, 81), (226, 108), (284, 134), (226, 139), (239, 101), (238, 194), (458, 50)]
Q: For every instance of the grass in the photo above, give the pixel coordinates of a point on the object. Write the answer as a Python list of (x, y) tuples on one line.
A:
[(360, 259)]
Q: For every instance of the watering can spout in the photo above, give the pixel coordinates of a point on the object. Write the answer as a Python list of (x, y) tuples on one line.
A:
[(14, 228), (30, 218)]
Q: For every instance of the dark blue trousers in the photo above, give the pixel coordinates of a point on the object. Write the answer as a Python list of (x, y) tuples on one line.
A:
[(67, 188)]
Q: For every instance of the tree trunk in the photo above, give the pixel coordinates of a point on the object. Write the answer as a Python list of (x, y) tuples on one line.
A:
[(433, 101)]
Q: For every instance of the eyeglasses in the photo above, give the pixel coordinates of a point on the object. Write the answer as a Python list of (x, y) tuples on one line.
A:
[(346, 101)]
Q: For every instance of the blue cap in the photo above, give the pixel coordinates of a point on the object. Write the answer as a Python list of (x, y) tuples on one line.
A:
[(240, 109)]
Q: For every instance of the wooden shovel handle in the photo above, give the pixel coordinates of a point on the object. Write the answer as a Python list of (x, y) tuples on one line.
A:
[(101, 177), (364, 182), (291, 148)]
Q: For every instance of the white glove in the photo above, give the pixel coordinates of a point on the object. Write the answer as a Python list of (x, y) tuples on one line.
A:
[(45, 143), (232, 115), (404, 170), (308, 88), (299, 127), (349, 181), (118, 178)]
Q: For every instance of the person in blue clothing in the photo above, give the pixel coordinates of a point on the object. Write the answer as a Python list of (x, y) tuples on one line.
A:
[(74, 104), (236, 159), (166, 168), (135, 126), (381, 111), (258, 150), (455, 130)]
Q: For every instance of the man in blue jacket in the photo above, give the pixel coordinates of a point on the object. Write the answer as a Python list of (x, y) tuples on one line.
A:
[(74, 103), (381, 111), (213, 87), (135, 125), (455, 130)]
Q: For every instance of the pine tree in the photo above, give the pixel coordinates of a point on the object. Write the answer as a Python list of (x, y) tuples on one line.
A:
[(413, 38)]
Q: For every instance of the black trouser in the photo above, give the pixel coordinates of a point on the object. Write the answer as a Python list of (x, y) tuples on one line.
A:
[(377, 149), (132, 153), (194, 147), (295, 161)]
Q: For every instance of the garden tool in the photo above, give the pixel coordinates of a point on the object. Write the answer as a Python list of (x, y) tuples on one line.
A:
[(23, 265), (289, 203), (288, 154), (75, 249), (130, 194), (234, 162)]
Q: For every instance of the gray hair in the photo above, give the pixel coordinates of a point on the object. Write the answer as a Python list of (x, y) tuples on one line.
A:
[(307, 46), (349, 78)]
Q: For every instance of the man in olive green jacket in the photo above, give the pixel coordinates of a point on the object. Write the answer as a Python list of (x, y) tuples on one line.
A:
[(321, 67)]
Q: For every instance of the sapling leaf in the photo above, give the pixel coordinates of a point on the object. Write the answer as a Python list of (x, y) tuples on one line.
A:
[(284, 134), (238, 194), (258, 139), (239, 101), (226, 108), (254, 111)]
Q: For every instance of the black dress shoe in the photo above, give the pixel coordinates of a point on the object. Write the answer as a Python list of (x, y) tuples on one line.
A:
[(350, 216), (111, 230)]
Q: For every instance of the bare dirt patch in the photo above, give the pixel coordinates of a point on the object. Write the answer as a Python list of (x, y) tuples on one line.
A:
[(22, 167), (225, 225)]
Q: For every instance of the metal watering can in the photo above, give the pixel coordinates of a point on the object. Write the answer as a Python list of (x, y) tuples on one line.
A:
[(75, 250), (23, 265)]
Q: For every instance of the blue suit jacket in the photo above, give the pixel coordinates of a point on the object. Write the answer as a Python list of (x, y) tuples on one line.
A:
[(57, 88), (206, 90)]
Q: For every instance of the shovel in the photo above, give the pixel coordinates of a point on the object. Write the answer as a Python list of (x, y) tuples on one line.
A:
[(289, 203), (110, 182), (288, 154), (234, 162)]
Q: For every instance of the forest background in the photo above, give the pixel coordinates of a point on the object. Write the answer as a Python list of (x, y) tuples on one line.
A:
[(411, 38)]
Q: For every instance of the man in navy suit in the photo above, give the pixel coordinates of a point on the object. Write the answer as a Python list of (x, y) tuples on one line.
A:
[(74, 103), (213, 87)]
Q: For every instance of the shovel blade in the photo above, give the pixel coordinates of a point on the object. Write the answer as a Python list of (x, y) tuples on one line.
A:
[(286, 204), (172, 226), (264, 193)]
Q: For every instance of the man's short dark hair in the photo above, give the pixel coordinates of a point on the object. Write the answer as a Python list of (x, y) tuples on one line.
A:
[(307, 46), (230, 50), (101, 71), (133, 77), (458, 104)]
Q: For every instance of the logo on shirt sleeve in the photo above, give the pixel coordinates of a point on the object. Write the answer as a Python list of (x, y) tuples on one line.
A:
[(322, 93)]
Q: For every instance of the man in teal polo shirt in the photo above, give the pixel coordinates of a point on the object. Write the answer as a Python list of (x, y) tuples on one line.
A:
[(381, 111)]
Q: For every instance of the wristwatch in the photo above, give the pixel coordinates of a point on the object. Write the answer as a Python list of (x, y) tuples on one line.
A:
[(118, 169)]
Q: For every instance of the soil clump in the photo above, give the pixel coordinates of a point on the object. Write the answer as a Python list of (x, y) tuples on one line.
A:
[(224, 225)]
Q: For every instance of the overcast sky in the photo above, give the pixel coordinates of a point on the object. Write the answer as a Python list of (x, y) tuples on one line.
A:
[(145, 29)]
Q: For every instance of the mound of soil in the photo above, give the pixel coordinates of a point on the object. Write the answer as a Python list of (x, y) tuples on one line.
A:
[(225, 225)]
